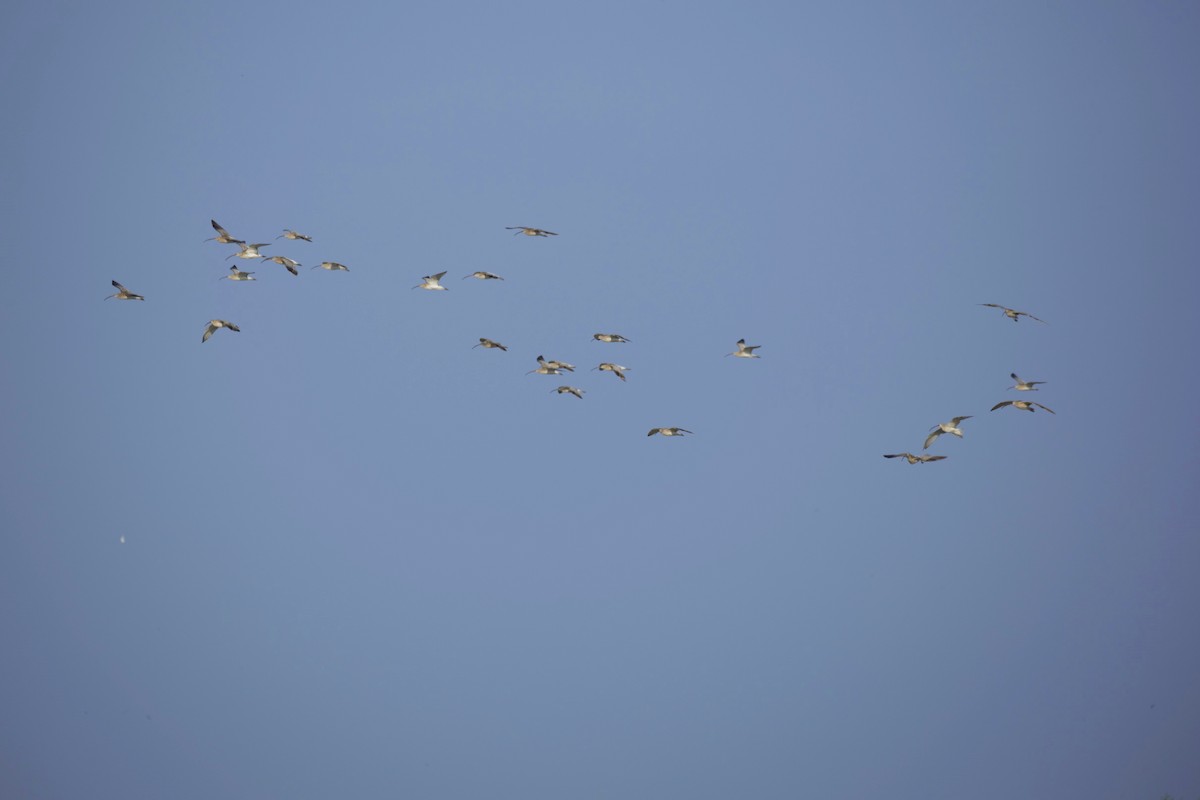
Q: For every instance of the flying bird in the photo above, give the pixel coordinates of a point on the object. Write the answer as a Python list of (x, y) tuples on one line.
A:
[(945, 427), (1024, 405), (615, 369), (609, 337), (218, 323), (286, 262), (575, 390), (290, 234), (249, 251), (1013, 313), (431, 282), (124, 294), (332, 266), (223, 235), (529, 231), (488, 343), (1024, 386), (556, 364), (668, 431), (921, 459), (483, 276), (236, 274), (744, 350)]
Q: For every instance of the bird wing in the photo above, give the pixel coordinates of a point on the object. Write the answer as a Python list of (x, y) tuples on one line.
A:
[(654, 431), (1002, 405), (932, 458), (1031, 316), (219, 229), (992, 305), (929, 439), (211, 327), (957, 420), (438, 276), (1039, 405)]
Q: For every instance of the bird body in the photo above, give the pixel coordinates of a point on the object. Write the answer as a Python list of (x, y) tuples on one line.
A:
[(483, 276), (213, 325), (744, 350), (556, 364), (223, 235), (915, 459), (609, 337), (668, 431), (945, 427), (431, 282), (236, 274), (615, 369), (124, 294), (1012, 313), (332, 266), (1024, 405), (249, 251), (1024, 386), (290, 234), (575, 390), (488, 343), (529, 231)]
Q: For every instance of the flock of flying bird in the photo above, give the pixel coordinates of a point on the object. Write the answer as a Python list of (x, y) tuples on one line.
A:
[(952, 427), (553, 367), (428, 282)]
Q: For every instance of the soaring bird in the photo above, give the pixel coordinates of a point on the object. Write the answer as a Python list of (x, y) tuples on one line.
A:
[(745, 350), (668, 431), (236, 274), (290, 234), (945, 427), (249, 251), (488, 343), (332, 266), (1024, 405), (575, 390), (431, 282), (615, 369), (218, 323), (609, 337), (286, 262), (124, 294), (223, 235), (921, 459), (483, 276), (529, 231), (556, 364), (1013, 313), (1024, 386)]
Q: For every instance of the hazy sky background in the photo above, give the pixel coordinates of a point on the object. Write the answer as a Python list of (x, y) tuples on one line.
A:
[(362, 559)]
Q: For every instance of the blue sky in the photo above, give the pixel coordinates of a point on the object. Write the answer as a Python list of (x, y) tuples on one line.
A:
[(363, 559)]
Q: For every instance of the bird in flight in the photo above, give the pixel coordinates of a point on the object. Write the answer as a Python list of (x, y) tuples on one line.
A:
[(483, 276), (213, 325), (921, 459), (575, 390), (236, 274), (609, 337), (529, 231), (488, 343), (124, 294), (249, 251), (668, 431), (431, 282), (945, 427), (286, 262), (223, 235), (290, 234), (556, 364), (332, 266), (615, 369), (1013, 314), (745, 350), (1024, 386), (1024, 405)]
